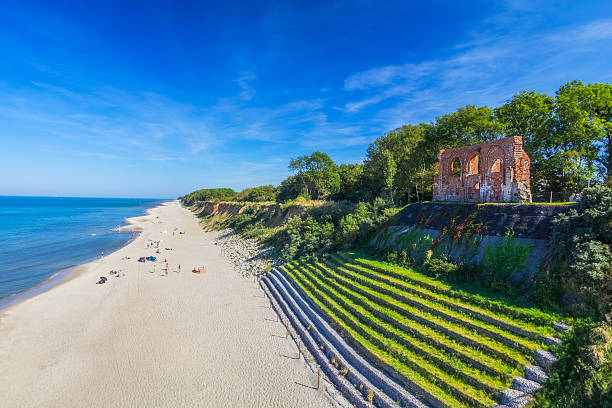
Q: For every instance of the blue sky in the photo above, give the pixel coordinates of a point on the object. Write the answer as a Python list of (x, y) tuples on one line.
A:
[(156, 99)]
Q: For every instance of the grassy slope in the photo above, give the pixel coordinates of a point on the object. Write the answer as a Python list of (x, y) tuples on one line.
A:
[(448, 343)]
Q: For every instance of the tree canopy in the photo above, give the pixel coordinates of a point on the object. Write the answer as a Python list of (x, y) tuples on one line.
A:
[(568, 138), (317, 174)]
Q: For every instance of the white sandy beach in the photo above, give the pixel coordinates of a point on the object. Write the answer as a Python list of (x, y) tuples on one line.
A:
[(149, 340)]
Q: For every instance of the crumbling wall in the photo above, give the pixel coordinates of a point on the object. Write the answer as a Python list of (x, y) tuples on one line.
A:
[(496, 171)]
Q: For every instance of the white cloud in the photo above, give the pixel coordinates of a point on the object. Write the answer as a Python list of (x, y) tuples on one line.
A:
[(159, 127), (595, 30), (486, 70)]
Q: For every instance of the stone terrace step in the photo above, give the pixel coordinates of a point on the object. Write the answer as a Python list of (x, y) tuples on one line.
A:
[(312, 280), (340, 382), (428, 286), (334, 340)]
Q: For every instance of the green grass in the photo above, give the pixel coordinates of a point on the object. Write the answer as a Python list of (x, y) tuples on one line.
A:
[(408, 311), (460, 348), (425, 349), (530, 315), (383, 348), (451, 301), (375, 285)]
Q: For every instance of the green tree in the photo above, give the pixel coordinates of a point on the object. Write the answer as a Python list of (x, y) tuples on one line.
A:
[(209, 194), (389, 171), (529, 114), (399, 147), (587, 109), (289, 189), (468, 125), (258, 194), (573, 145), (349, 181), (317, 173)]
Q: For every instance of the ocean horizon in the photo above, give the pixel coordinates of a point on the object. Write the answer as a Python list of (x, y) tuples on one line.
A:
[(42, 238)]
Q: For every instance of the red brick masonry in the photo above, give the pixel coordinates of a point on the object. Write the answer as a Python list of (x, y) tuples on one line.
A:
[(496, 171)]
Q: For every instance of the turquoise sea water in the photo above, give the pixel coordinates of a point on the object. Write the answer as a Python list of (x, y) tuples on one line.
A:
[(42, 237)]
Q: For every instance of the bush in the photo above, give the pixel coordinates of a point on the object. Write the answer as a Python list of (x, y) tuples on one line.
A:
[(583, 237), (582, 277), (399, 258), (440, 268), (258, 194), (583, 375), (592, 262), (208, 194), (503, 260)]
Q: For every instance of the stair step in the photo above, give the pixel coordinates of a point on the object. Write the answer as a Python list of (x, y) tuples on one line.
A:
[(358, 363), (525, 385), (514, 398), (545, 359), (536, 373)]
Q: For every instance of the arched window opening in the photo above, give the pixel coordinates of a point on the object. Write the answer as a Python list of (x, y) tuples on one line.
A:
[(474, 165), (456, 167), (496, 166)]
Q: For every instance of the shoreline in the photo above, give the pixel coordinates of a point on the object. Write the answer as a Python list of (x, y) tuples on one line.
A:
[(152, 337), (67, 273)]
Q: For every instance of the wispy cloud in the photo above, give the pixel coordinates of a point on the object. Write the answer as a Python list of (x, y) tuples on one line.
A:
[(595, 30), (381, 76), (243, 126), (483, 71)]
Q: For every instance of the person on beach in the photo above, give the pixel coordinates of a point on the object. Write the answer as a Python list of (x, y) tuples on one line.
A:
[(179, 268)]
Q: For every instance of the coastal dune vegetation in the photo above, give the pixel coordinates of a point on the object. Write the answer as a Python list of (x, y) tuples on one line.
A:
[(452, 333)]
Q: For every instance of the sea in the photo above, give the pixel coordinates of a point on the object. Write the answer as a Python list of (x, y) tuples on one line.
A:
[(42, 238)]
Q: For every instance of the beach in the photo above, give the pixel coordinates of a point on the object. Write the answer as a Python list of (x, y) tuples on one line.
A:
[(153, 339)]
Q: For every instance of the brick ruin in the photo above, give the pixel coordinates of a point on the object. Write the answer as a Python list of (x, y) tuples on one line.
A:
[(496, 171)]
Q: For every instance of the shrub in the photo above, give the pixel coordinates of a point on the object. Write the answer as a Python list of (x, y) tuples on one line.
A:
[(583, 375), (592, 262), (503, 260), (258, 194), (440, 268), (398, 258), (208, 194), (582, 277), (583, 237)]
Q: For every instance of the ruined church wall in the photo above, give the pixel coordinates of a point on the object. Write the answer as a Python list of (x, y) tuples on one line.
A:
[(496, 171)]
